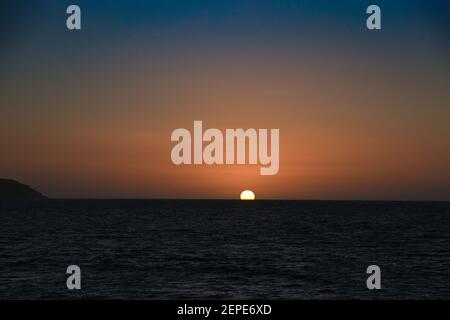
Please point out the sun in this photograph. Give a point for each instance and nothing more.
(247, 195)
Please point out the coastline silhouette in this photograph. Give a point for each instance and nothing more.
(12, 189)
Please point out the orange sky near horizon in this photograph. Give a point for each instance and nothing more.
(335, 143)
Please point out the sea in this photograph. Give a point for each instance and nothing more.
(217, 249)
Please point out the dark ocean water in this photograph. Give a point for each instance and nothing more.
(180, 249)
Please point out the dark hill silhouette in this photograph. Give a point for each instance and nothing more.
(10, 189)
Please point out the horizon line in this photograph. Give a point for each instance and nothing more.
(230, 199)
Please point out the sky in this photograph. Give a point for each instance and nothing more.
(362, 114)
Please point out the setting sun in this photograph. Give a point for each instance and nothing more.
(247, 195)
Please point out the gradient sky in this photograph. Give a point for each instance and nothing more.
(362, 114)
